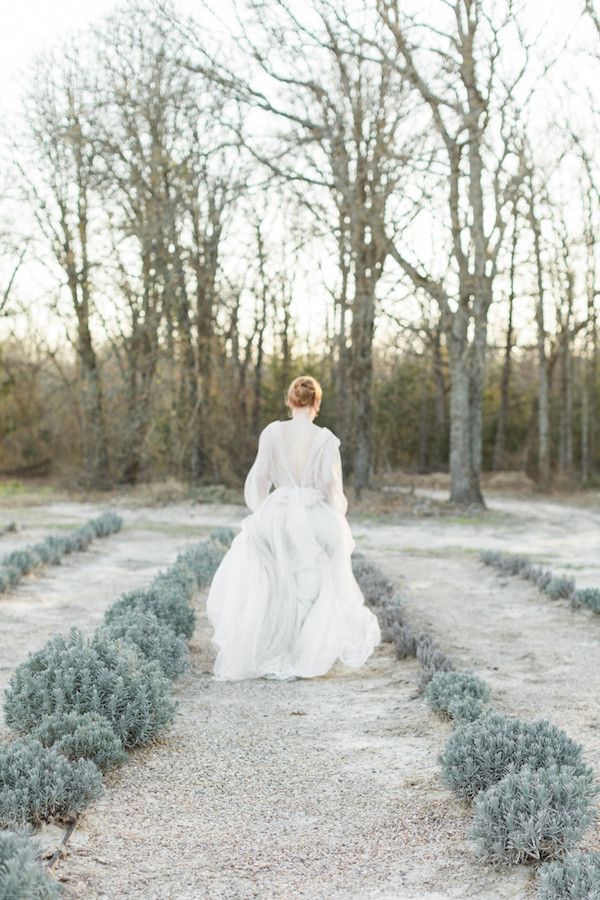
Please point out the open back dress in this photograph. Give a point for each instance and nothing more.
(284, 602)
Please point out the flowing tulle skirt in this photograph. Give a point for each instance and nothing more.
(284, 602)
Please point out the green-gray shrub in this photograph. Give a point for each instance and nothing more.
(533, 815)
(223, 535)
(390, 617)
(556, 586)
(560, 588)
(55, 549)
(508, 563)
(201, 561)
(21, 874)
(577, 877)
(43, 552)
(81, 736)
(23, 561)
(543, 579)
(589, 597)
(154, 638)
(480, 753)
(432, 658)
(38, 783)
(166, 600)
(373, 583)
(460, 695)
(107, 523)
(491, 558)
(98, 675)
(10, 576)
(406, 640)
(51, 550)
(466, 709)
(80, 539)
(379, 593)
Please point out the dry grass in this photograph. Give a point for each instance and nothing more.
(32, 492)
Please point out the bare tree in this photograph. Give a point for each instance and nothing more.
(166, 189)
(56, 165)
(589, 380)
(470, 104)
(338, 145)
(502, 420)
(543, 394)
(13, 251)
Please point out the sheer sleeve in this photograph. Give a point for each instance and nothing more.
(259, 480)
(333, 483)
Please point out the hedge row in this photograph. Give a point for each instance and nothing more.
(533, 794)
(21, 875)
(52, 548)
(557, 587)
(380, 594)
(77, 704)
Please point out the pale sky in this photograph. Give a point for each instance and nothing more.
(28, 27)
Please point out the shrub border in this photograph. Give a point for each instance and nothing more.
(218, 538)
(557, 587)
(50, 550)
(381, 595)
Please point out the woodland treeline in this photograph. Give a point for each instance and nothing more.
(399, 198)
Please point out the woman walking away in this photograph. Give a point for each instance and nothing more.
(284, 602)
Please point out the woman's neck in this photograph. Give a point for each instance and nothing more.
(302, 413)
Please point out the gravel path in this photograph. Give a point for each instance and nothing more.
(79, 590)
(327, 788)
(539, 656)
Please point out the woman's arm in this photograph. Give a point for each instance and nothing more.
(258, 481)
(333, 487)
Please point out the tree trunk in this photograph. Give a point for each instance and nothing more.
(501, 425)
(460, 433)
(543, 389)
(476, 384)
(585, 423)
(566, 383)
(439, 438)
(465, 410)
(424, 426)
(590, 357)
(94, 443)
(361, 386)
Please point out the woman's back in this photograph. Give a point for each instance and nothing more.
(284, 602)
(301, 444)
(296, 454)
(298, 438)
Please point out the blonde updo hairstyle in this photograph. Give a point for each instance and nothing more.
(304, 391)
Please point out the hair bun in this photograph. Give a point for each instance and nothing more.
(304, 391)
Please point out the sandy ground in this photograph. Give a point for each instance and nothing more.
(326, 788)
(78, 591)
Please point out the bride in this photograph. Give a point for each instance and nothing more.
(284, 602)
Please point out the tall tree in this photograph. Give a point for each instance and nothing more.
(57, 169)
(166, 188)
(543, 393)
(455, 73)
(502, 420)
(339, 146)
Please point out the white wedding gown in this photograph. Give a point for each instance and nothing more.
(284, 602)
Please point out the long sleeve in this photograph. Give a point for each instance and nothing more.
(333, 482)
(258, 481)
